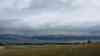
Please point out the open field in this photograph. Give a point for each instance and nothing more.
(50, 50)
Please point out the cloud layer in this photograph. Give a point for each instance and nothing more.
(28, 16)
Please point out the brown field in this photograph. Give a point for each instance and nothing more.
(51, 50)
(90, 46)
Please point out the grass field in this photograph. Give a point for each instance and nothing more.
(50, 50)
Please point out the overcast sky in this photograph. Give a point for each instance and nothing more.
(20, 16)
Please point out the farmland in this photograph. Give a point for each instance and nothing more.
(50, 50)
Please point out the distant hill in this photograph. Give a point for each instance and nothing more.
(45, 38)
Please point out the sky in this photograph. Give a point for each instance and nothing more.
(30, 16)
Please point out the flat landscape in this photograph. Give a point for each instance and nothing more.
(50, 50)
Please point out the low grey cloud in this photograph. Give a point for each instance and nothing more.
(20, 16)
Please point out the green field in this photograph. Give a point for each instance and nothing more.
(51, 50)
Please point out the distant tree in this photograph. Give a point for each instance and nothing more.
(89, 41)
(1, 44)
